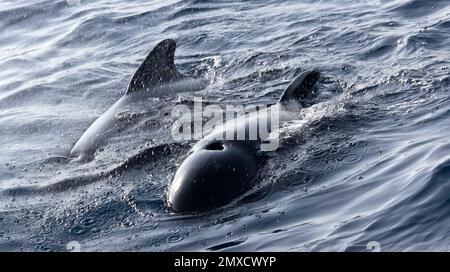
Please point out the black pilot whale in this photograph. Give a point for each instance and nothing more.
(156, 76)
(217, 170)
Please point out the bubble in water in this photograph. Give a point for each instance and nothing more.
(351, 158)
(174, 238)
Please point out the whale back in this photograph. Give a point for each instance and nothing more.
(302, 87)
(157, 68)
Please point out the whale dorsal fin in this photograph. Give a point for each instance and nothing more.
(158, 67)
(301, 87)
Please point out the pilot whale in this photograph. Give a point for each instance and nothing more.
(218, 169)
(156, 76)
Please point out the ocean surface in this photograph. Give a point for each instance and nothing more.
(365, 168)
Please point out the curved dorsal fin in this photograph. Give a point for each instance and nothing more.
(158, 67)
(301, 87)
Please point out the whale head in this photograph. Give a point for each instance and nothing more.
(212, 176)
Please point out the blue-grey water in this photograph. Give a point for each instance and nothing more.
(366, 166)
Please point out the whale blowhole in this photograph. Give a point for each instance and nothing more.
(215, 146)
